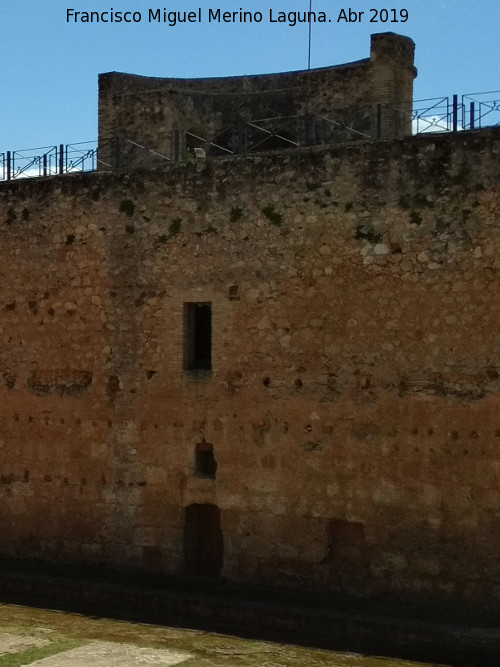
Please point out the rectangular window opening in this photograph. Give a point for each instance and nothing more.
(205, 464)
(198, 336)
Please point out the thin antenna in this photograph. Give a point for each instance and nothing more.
(309, 47)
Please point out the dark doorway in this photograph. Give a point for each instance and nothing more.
(198, 336)
(203, 541)
(347, 554)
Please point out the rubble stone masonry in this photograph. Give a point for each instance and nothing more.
(143, 111)
(352, 406)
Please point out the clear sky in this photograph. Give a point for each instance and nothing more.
(50, 66)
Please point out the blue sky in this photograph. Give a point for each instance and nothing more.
(48, 81)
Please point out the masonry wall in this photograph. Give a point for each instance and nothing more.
(145, 110)
(353, 405)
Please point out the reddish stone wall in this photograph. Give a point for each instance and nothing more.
(353, 402)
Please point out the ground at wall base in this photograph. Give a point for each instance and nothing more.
(437, 633)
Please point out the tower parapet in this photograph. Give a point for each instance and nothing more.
(369, 98)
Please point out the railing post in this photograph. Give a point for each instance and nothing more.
(176, 145)
(118, 155)
(379, 121)
(243, 135)
(309, 130)
(455, 113)
(472, 116)
(235, 137)
(240, 137)
(61, 158)
(9, 165)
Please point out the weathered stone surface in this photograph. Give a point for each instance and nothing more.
(352, 405)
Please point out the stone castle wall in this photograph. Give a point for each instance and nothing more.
(146, 110)
(353, 400)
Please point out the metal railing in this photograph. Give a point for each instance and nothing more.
(442, 114)
(48, 160)
(481, 110)
(473, 111)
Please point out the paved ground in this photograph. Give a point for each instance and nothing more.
(114, 655)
